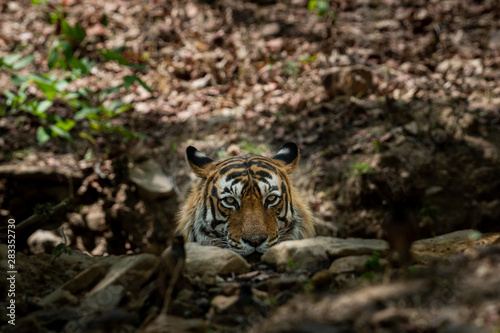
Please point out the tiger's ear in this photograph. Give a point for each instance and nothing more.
(288, 156)
(199, 163)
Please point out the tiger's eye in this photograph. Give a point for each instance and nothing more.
(271, 198)
(229, 200)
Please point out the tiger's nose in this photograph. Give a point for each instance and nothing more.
(254, 241)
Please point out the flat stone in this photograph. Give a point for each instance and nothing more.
(85, 279)
(221, 303)
(316, 253)
(441, 247)
(210, 261)
(58, 297)
(151, 179)
(352, 264)
(105, 299)
(130, 271)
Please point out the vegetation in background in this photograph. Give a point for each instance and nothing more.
(322, 8)
(93, 108)
(360, 168)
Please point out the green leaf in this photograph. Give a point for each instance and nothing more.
(23, 62)
(17, 80)
(49, 90)
(79, 32)
(67, 49)
(65, 124)
(53, 57)
(137, 66)
(48, 79)
(42, 135)
(113, 56)
(61, 85)
(9, 94)
(58, 248)
(311, 5)
(85, 112)
(118, 107)
(130, 79)
(11, 59)
(77, 66)
(84, 92)
(44, 106)
(115, 104)
(88, 64)
(104, 20)
(76, 33)
(66, 28)
(323, 7)
(111, 90)
(60, 132)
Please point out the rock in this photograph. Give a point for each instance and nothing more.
(60, 174)
(201, 82)
(166, 324)
(494, 40)
(210, 261)
(95, 217)
(222, 303)
(411, 127)
(118, 319)
(486, 180)
(323, 278)
(65, 293)
(270, 30)
(313, 254)
(25, 325)
(104, 300)
(352, 264)
(43, 241)
(58, 297)
(282, 283)
(151, 180)
(334, 309)
(85, 279)
(55, 317)
(130, 271)
(490, 210)
(433, 190)
(469, 124)
(489, 150)
(441, 247)
(275, 45)
(350, 81)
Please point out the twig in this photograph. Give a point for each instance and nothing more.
(168, 295)
(65, 242)
(38, 219)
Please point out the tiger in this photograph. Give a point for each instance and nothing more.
(245, 203)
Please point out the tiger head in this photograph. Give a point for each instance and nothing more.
(245, 203)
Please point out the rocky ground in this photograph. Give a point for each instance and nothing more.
(396, 108)
(313, 285)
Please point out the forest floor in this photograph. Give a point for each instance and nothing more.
(234, 77)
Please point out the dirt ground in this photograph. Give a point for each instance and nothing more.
(234, 77)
